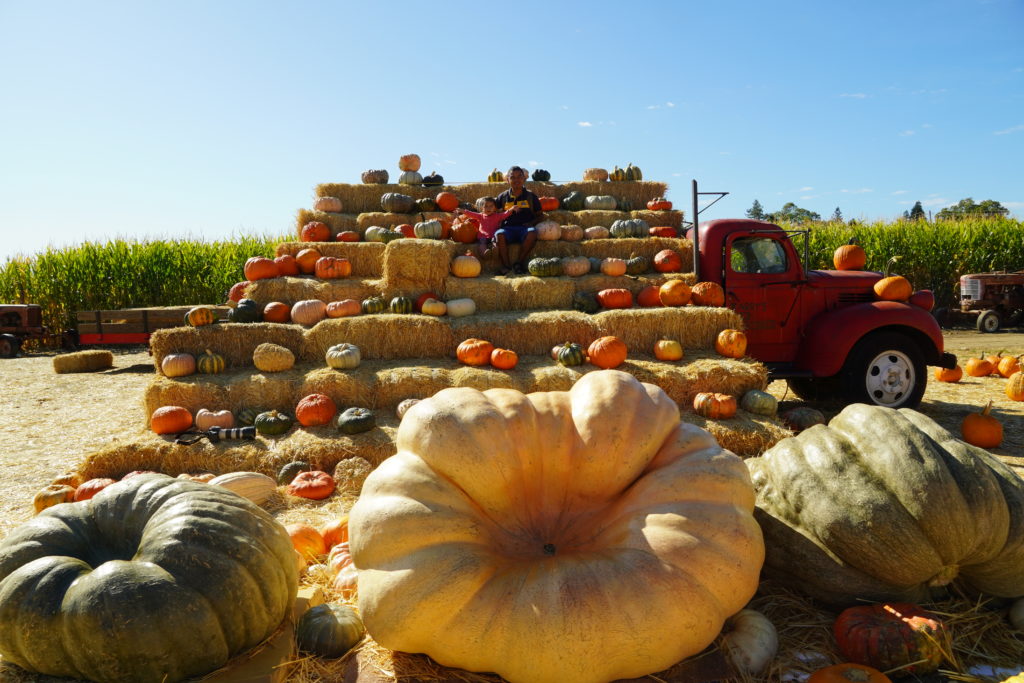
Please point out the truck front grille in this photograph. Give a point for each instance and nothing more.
(855, 297)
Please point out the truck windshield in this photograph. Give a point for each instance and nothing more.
(758, 255)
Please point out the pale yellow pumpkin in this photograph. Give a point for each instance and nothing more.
(749, 641)
(254, 486)
(582, 504)
(205, 419)
(269, 357)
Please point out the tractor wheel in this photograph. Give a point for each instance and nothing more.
(9, 346)
(989, 321)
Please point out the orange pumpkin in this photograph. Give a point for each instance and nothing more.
(422, 298)
(675, 293)
(347, 236)
(90, 488)
(994, 360)
(978, 367)
(504, 359)
(1008, 365)
(668, 349)
(286, 265)
(549, 203)
(409, 162)
(170, 420)
(345, 575)
(315, 485)
(315, 231)
(849, 256)
(848, 673)
(307, 258)
(954, 375)
(731, 343)
(981, 429)
(259, 268)
(335, 531)
(613, 267)
(668, 261)
(1015, 386)
(446, 201)
(607, 352)
(615, 298)
(331, 268)
(466, 265)
(464, 229)
(343, 308)
(714, 406)
(893, 287)
(663, 231)
(315, 410)
(649, 297)
(708, 294)
(407, 230)
(659, 204)
(306, 540)
(474, 352)
(277, 312)
(237, 291)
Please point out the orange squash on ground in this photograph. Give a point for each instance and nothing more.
(1008, 365)
(607, 352)
(953, 375)
(474, 352)
(1015, 386)
(315, 485)
(306, 540)
(978, 367)
(982, 429)
(315, 410)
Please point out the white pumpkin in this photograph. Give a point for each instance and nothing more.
(548, 231)
(596, 232)
(375, 233)
(457, 308)
(343, 356)
(251, 485)
(749, 641)
(600, 202)
(208, 418)
(327, 204)
(178, 365)
(410, 178)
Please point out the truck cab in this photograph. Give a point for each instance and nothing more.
(823, 331)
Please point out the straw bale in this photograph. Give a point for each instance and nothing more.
(390, 220)
(337, 222)
(355, 387)
(292, 289)
(413, 266)
(696, 373)
(396, 383)
(637, 192)
(746, 434)
(367, 258)
(83, 361)
(655, 218)
(588, 218)
(489, 294)
(362, 198)
(546, 293)
(234, 341)
(640, 246)
(532, 333)
(383, 336)
(486, 378)
(695, 327)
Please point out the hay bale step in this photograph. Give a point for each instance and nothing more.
(291, 289)
(367, 258)
(337, 222)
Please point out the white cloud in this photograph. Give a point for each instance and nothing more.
(862, 190)
(853, 95)
(805, 189)
(899, 192)
(534, 164)
(1011, 129)
(585, 124)
(654, 106)
(907, 133)
(937, 201)
(670, 104)
(1013, 205)
(564, 107)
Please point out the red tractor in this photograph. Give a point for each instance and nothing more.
(990, 300)
(19, 322)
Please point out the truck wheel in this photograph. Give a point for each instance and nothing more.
(814, 388)
(9, 346)
(988, 321)
(885, 369)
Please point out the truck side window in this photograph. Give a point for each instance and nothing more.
(757, 255)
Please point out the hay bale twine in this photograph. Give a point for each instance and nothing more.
(83, 361)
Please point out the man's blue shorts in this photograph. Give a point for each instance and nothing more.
(514, 234)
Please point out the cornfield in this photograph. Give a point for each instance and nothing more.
(126, 274)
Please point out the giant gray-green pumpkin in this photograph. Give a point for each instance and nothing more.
(153, 579)
(629, 227)
(395, 202)
(600, 202)
(884, 505)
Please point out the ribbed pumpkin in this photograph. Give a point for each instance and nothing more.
(178, 365)
(246, 416)
(978, 367)
(707, 294)
(607, 352)
(1008, 365)
(849, 256)
(464, 229)
(154, 579)
(731, 343)
(546, 267)
(1015, 386)
(307, 540)
(260, 268)
(607, 469)
(570, 354)
(668, 261)
(374, 177)
(88, 489)
(427, 230)
(474, 352)
(314, 485)
(314, 231)
(200, 316)
(328, 204)
(236, 292)
(331, 268)
(356, 421)
(268, 357)
(714, 406)
(571, 233)
(891, 636)
(410, 178)
(309, 311)
(277, 312)
(801, 418)
(210, 363)
(495, 176)
(466, 265)
(447, 201)
(674, 293)
(946, 375)
(343, 356)
(575, 266)
(374, 304)
(649, 297)
(615, 298)
(548, 231)
(272, 423)
(759, 402)
(400, 304)
(541, 175)
(253, 486)
(939, 511)
(395, 202)
(329, 630)
(343, 308)
(315, 410)
(205, 419)
(548, 203)
(893, 287)
(600, 202)
(613, 267)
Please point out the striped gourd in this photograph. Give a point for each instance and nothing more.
(210, 363)
(545, 267)
(400, 304)
(251, 485)
(374, 304)
(571, 354)
(247, 416)
(201, 315)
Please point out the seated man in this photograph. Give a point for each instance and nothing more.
(518, 228)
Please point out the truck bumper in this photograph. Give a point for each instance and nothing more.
(947, 361)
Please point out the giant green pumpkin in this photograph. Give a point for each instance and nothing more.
(153, 579)
(886, 505)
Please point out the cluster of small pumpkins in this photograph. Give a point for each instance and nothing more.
(409, 165)
(851, 256)
(480, 352)
(983, 429)
(671, 293)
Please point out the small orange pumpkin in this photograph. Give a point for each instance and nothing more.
(315, 410)
(649, 297)
(331, 268)
(893, 287)
(335, 531)
(549, 203)
(170, 420)
(446, 201)
(731, 343)
(982, 429)
(953, 375)
(978, 367)
(849, 256)
(54, 494)
(708, 294)
(504, 359)
(345, 575)
(668, 261)
(675, 293)
(607, 352)
(343, 308)
(613, 267)
(659, 204)
(277, 312)
(668, 349)
(1008, 365)
(662, 231)
(848, 673)
(315, 231)
(237, 291)
(287, 265)
(615, 298)
(474, 352)
(307, 258)
(314, 485)
(90, 488)
(347, 236)
(1015, 386)
(306, 540)
(714, 406)
(259, 268)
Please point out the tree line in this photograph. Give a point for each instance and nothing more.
(965, 208)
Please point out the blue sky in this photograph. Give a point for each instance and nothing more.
(213, 119)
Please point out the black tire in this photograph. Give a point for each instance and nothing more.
(814, 388)
(9, 346)
(989, 321)
(941, 316)
(885, 369)
(1013, 320)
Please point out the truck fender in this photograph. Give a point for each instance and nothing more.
(829, 337)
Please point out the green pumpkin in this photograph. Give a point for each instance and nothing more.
(375, 304)
(247, 416)
(633, 173)
(433, 180)
(426, 205)
(400, 304)
(624, 204)
(600, 202)
(395, 202)
(637, 265)
(391, 236)
(617, 174)
(210, 363)
(571, 354)
(629, 227)
(153, 579)
(573, 201)
(799, 419)
(541, 176)
(290, 471)
(428, 230)
(246, 311)
(375, 233)
(272, 423)
(356, 421)
(595, 263)
(495, 176)
(545, 267)
(585, 302)
(759, 402)
(329, 630)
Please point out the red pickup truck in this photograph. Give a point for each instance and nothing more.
(823, 331)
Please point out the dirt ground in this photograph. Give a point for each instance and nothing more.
(49, 422)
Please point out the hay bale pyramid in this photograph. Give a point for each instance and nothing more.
(413, 355)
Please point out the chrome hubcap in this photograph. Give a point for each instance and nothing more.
(890, 378)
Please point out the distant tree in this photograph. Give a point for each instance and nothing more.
(906, 215)
(917, 213)
(793, 214)
(967, 207)
(837, 216)
(755, 211)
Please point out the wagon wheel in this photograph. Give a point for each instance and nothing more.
(9, 346)
(988, 321)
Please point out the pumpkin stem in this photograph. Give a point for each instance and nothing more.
(987, 409)
(889, 264)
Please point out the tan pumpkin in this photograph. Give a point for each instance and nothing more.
(268, 357)
(595, 175)
(613, 267)
(548, 231)
(1015, 386)
(178, 365)
(434, 307)
(409, 162)
(328, 204)
(612, 496)
(209, 418)
(343, 308)
(596, 232)
(466, 265)
(571, 233)
(253, 486)
(575, 266)
(309, 312)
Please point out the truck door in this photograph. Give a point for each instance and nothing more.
(763, 279)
